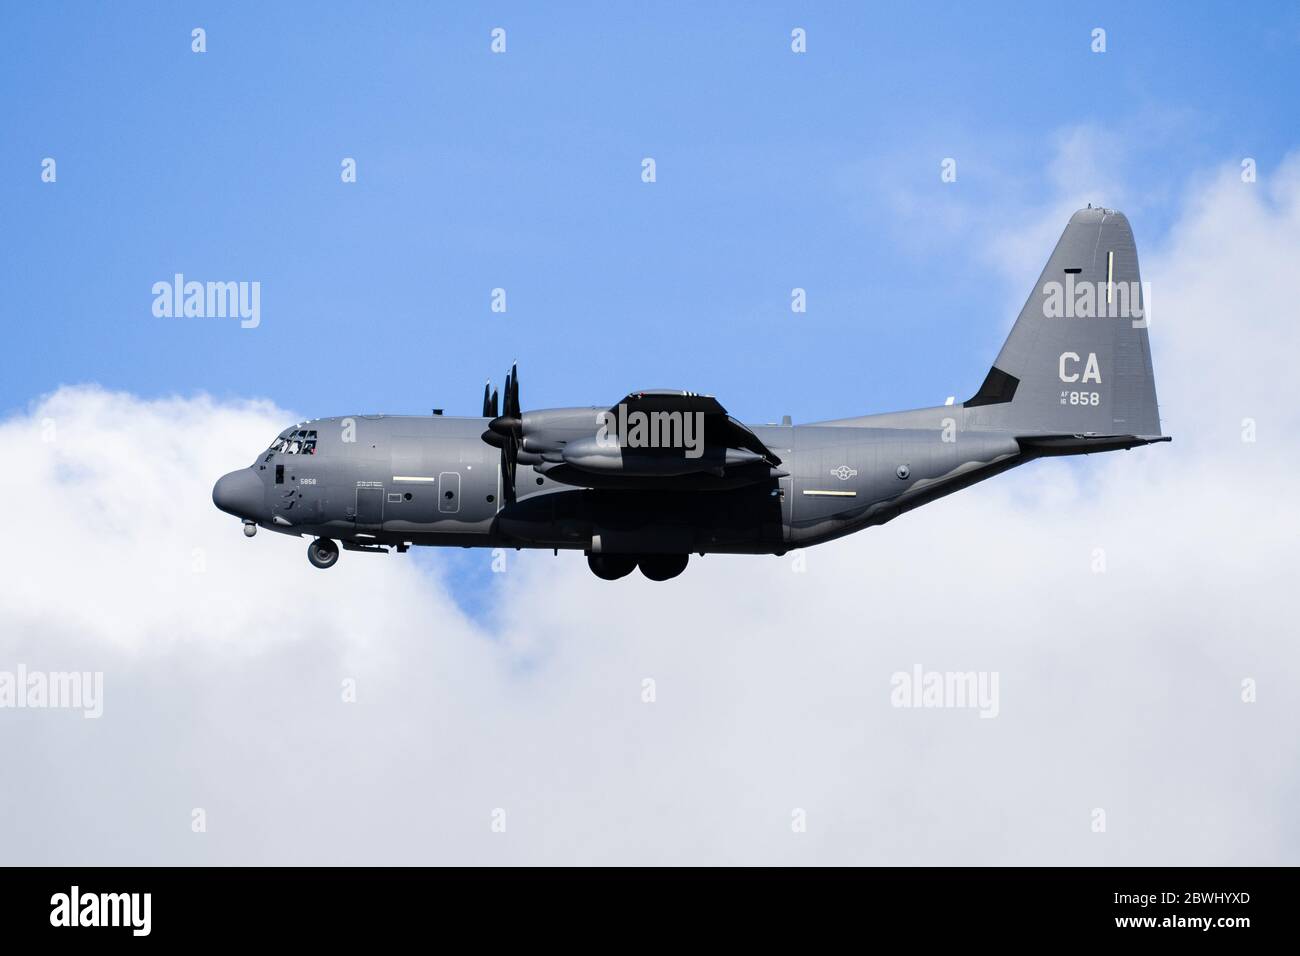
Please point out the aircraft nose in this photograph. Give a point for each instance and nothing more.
(239, 493)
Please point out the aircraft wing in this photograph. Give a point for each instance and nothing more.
(663, 435)
(719, 429)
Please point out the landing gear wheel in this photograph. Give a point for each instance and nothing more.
(661, 567)
(611, 567)
(323, 553)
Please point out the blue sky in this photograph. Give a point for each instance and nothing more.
(522, 171)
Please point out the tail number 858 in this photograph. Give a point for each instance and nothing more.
(1080, 398)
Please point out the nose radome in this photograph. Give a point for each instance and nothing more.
(239, 493)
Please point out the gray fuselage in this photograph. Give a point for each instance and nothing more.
(394, 480)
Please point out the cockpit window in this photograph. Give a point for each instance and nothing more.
(300, 441)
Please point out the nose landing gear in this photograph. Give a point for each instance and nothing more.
(323, 553)
(250, 529)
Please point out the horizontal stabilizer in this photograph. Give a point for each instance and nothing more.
(1084, 444)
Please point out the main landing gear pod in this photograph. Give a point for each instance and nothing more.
(656, 567)
(611, 567)
(323, 553)
(661, 567)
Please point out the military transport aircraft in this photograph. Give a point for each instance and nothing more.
(663, 474)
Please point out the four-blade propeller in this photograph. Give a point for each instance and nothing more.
(506, 431)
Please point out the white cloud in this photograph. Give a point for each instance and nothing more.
(1117, 690)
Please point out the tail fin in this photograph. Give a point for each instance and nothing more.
(1077, 361)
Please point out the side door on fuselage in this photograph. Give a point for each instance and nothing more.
(368, 507)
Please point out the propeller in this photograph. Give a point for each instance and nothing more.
(489, 401)
(512, 393)
(506, 431)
